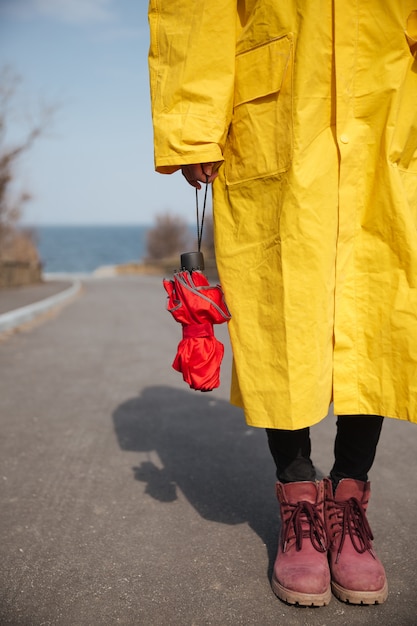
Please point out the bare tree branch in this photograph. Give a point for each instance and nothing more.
(11, 205)
(170, 236)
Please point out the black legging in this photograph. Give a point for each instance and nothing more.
(354, 449)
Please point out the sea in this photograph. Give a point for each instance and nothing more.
(83, 249)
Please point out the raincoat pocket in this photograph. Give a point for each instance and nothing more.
(403, 152)
(260, 141)
(411, 32)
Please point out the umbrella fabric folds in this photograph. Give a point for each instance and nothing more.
(197, 305)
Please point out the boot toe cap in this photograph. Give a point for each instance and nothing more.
(363, 574)
(309, 578)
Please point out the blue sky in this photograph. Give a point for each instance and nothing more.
(95, 163)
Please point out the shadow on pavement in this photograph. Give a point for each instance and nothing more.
(204, 448)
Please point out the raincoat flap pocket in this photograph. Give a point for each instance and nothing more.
(411, 31)
(260, 71)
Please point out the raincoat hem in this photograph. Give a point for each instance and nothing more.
(267, 422)
(382, 413)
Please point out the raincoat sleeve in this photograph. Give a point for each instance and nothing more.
(191, 64)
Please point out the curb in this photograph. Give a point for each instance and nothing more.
(25, 314)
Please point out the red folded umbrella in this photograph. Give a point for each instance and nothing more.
(197, 305)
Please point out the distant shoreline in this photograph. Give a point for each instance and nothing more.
(82, 249)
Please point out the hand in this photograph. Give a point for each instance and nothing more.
(199, 172)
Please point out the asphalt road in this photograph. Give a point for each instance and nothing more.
(127, 498)
(12, 298)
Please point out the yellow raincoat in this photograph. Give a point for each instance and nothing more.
(312, 107)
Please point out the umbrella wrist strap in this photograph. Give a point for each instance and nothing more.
(200, 224)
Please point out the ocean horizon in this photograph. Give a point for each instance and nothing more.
(84, 248)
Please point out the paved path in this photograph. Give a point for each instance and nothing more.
(127, 498)
(15, 297)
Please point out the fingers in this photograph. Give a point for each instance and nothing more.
(199, 172)
(192, 174)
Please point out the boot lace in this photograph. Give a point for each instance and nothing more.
(352, 521)
(304, 521)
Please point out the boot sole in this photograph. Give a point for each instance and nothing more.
(301, 599)
(360, 597)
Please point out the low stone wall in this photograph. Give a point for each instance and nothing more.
(17, 274)
(162, 267)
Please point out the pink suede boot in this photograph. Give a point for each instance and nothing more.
(358, 576)
(301, 571)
